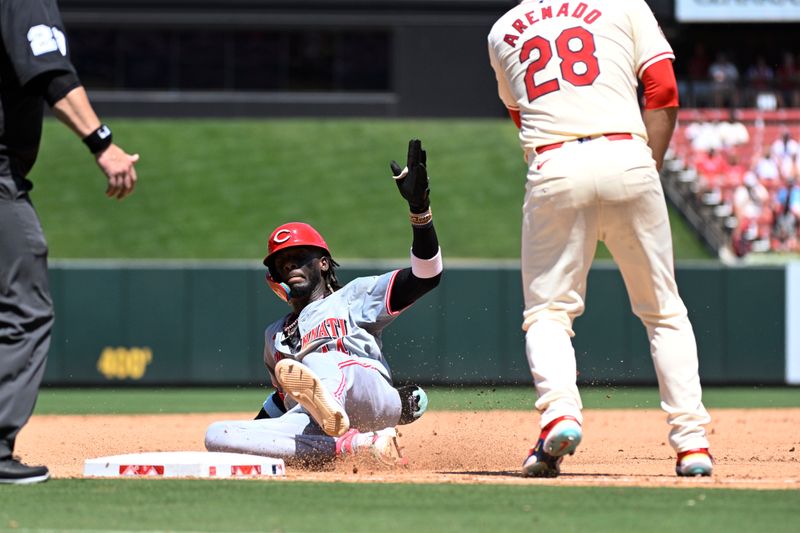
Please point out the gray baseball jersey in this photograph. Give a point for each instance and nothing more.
(341, 342)
(349, 321)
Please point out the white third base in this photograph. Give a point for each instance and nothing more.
(184, 464)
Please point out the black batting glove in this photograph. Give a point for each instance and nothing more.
(413, 180)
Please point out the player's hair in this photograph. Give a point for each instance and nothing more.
(330, 276)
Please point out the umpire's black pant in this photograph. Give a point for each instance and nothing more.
(26, 310)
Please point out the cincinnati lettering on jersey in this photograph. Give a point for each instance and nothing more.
(330, 328)
(579, 11)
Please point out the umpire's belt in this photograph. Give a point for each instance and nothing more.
(609, 136)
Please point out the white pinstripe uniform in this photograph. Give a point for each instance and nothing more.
(570, 68)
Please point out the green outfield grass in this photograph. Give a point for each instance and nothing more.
(215, 188)
(195, 400)
(278, 506)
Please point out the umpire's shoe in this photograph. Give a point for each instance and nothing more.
(414, 402)
(299, 382)
(13, 471)
(558, 438)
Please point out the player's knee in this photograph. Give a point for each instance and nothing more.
(217, 437)
(321, 362)
(547, 319)
(313, 359)
(675, 317)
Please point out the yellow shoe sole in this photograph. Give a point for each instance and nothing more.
(299, 382)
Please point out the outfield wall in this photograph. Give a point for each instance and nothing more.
(202, 324)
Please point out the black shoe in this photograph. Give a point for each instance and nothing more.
(414, 402)
(13, 471)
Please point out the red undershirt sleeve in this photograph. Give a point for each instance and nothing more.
(660, 87)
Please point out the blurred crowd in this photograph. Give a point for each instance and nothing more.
(754, 183)
(718, 82)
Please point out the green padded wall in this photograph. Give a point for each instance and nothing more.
(203, 324)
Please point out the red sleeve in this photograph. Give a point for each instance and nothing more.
(660, 87)
(514, 114)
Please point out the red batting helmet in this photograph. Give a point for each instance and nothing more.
(285, 236)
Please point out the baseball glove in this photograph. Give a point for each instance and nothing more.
(412, 181)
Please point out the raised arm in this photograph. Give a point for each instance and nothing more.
(426, 257)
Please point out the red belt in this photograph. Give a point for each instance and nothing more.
(609, 136)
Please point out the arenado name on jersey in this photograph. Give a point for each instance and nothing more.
(578, 10)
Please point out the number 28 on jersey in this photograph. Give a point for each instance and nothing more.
(574, 48)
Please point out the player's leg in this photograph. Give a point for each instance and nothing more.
(374, 407)
(413, 401)
(636, 230)
(348, 397)
(558, 244)
(297, 438)
(317, 383)
(291, 436)
(26, 316)
(371, 401)
(334, 387)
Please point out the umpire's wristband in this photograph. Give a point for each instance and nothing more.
(99, 139)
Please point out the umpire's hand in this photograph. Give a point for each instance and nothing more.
(118, 168)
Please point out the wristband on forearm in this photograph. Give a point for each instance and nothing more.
(99, 139)
(426, 268)
(421, 220)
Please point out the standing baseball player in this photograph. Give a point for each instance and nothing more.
(35, 68)
(567, 72)
(334, 394)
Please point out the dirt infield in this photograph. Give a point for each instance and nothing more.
(753, 448)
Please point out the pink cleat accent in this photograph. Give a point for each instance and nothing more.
(379, 445)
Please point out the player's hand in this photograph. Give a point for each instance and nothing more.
(118, 168)
(413, 180)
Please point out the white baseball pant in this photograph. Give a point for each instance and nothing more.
(370, 400)
(576, 195)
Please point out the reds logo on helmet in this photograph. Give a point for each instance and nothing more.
(285, 236)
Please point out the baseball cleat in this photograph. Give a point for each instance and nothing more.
(558, 438)
(299, 382)
(694, 463)
(378, 445)
(414, 403)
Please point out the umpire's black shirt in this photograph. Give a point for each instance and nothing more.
(33, 42)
